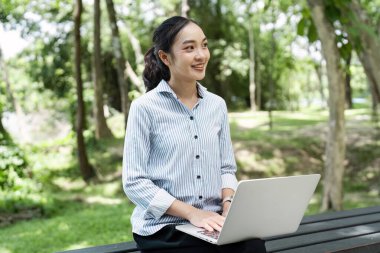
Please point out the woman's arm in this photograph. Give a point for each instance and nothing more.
(227, 157)
(137, 183)
(200, 218)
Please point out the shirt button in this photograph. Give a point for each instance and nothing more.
(197, 156)
(200, 197)
(198, 177)
(196, 137)
(191, 117)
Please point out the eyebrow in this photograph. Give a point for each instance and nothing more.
(192, 41)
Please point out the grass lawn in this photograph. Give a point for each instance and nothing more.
(76, 225)
(96, 214)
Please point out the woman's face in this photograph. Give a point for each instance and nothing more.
(189, 55)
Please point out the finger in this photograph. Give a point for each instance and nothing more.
(215, 225)
(208, 227)
(219, 220)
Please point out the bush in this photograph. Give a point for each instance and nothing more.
(12, 163)
(18, 190)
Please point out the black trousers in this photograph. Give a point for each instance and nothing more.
(170, 240)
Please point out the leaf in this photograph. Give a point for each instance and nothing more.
(301, 26)
(312, 33)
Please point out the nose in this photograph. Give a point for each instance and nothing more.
(201, 54)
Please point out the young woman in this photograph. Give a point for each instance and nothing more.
(178, 161)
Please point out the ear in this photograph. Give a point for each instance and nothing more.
(164, 57)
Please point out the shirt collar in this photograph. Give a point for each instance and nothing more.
(164, 87)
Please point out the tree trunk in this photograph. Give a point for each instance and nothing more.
(86, 169)
(11, 97)
(136, 48)
(335, 147)
(318, 70)
(370, 43)
(101, 128)
(129, 72)
(134, 78)
(2, 129)
(252, 86)
(348, 84)
(369, 49)
(120, 60)
(257, 81)
(375, 93)
(185, 8)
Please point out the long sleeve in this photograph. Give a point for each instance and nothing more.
(137, 183)
(228, 164)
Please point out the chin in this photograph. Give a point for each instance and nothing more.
(200, 77)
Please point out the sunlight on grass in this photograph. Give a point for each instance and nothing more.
(102, 200)
(116, 123)
(68, 184)
(78, 246)
(5, 250)
(78, 226)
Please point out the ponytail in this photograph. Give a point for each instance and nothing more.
(154, 70)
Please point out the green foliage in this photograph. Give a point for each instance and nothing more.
(18, 190)
(12, 163)
(306, 27)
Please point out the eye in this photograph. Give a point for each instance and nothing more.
(205, 44)
(189, 48)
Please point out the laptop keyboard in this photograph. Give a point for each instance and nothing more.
(213, 234)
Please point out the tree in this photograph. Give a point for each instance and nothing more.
(184, 8)
(335, 146)
(101, 128)
(348, 82)
(364, 36)
(11, 97)
(86, 168)
(120, 60)
(252, 85)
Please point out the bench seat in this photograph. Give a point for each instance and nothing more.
(350, 231)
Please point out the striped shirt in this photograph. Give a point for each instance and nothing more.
(172, 152)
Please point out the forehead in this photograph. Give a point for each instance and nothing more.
(191, 32)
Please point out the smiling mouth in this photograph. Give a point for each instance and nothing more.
(199, 66)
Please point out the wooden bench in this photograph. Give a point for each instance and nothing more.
(351, 231)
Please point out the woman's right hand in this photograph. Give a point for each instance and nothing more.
(207, 220)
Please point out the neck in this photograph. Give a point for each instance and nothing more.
(183, 89)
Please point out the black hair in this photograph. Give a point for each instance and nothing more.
(163, 38)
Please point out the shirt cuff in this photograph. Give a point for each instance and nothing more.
(229, 181)
(159, 205)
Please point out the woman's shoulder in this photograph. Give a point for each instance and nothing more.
(214, 98)
(144, 99)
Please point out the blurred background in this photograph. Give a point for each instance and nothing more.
(300, 79)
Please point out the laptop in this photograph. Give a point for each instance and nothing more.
(262, 208)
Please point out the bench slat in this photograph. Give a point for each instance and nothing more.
(326, 226)
(324, 237)
(362, 244)
(341, 214)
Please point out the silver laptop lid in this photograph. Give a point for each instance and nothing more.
(268, 207)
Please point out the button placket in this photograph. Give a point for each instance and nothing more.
(197, 158)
